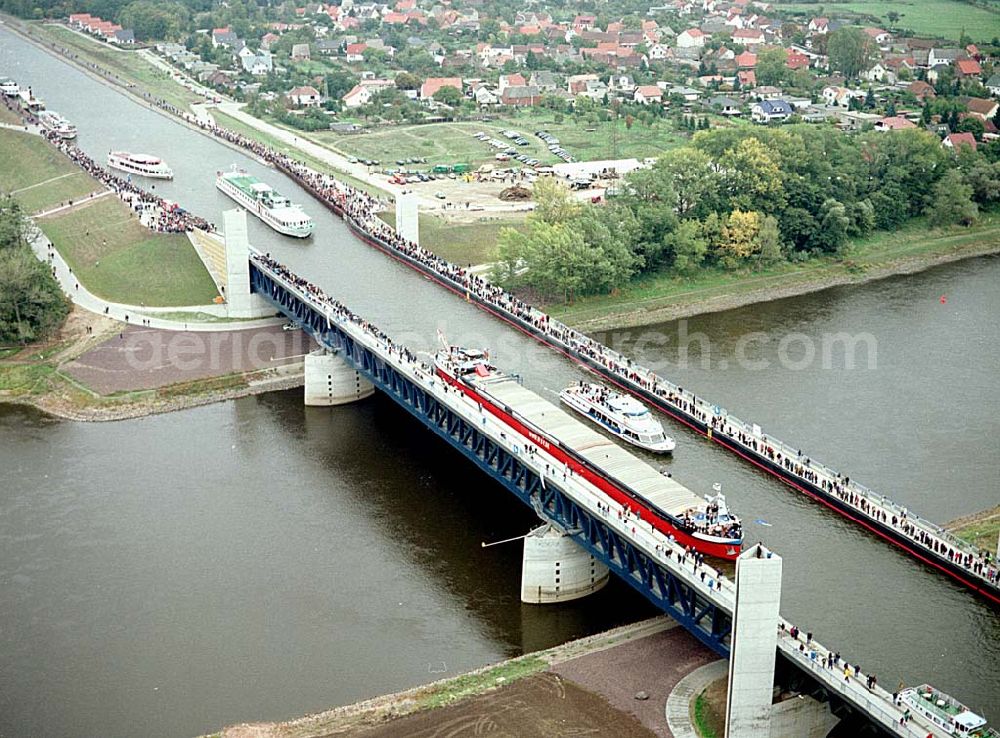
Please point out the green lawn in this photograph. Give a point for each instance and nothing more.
(127, 64)
(461, 243)
(37, 173)
(453, 143)
(981, 531)
(947, 18)
(120, 260)
(661, 291)
(9, 116)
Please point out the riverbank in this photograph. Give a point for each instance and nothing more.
(910, 250)
(587, 686)
(94, 371)
(981, 529)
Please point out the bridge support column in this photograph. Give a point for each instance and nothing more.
(330, 381)
(408, 217)
(555, 569)
(240, 301)
(754, 644)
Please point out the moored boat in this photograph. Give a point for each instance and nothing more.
(52, 121)
(266, 203)
(620, 414)
(9, 87)
(143, 165)
(28, 99)
(942, 712)
(624, 479)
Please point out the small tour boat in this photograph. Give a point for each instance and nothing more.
(934, 708)
(9, 87)
(143, 165)
(620, 414)
(52, 121)
(266, 203)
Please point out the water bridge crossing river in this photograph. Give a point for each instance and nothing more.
(695, 594)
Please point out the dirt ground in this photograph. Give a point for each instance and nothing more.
(146, 358)
(541, 706)
(653, 665)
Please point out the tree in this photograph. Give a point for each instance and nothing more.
(739, 237)
(951, 202)
(154, 20)
(849, 50)
(408, 81)
(31, 303)
(771, 66)
(752, 176)
(688, 245)
(554, 203)
(339, 82)
(972, 125)
(693, 181)
(984, 179)
(449, 96)
(833, 226)
(768, 244)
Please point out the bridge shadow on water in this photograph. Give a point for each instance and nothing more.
(437, 509)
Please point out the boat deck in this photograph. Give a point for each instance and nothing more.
(663, 492)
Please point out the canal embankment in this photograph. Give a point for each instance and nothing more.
(981, 529)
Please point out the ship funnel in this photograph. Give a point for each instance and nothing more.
(717, 487)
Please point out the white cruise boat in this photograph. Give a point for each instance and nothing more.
(143, 165)
(29, 101)
(266, 203)
(9, 87)
(937, 710)
(52, 121)
(622, 415)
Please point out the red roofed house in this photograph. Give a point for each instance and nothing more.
(432, 84)
(967, 68)
(796, 60)
(510, 80)
(819, 26)
(355, 52)
(748, 37)
(690, 38)
(921, 90)
(747, 78)
(982, 108)
(746, 60)
(954, 140)
(893, 123)
(304, 97)
(648, 95)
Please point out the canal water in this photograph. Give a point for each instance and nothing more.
(256, 559)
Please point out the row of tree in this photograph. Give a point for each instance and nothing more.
(31, 303)
(740, 198)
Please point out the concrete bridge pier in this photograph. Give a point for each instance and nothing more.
(330, 381)
(408, 217)
(555, 569)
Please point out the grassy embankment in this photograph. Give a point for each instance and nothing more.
(663, 297)
(981, 529)
(463, 243)
(129, 65)
(453, 143)
(113, 255)
(935, 18)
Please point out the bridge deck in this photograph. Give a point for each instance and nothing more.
(709, 584)
(664, 492)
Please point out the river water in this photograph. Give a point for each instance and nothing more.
(257, 559)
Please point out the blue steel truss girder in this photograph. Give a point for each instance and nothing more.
(678, 598)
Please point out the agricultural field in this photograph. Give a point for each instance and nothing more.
(118, 259)
(945, 18)
(453, 143)
(37, 174)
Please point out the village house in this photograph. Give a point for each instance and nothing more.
(223, 37)
(432, 85)
(956, 140)
(893, 123)
(304, 97)
(648, 95)
(690, 38)
(770, 111)
(300, 52)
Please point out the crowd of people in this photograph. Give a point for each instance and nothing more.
(360, 211)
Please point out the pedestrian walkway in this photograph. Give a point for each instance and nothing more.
(73, 204)
(136, 314)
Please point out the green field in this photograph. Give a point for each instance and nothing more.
(126, 64)
(118, 259)
(461, 243)
(667, 291)
(453, 143)
(38, 174)
(945, 18)
(9, 116)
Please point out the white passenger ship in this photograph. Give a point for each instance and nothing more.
(52, 121)
(622, 415)
(266, 203)
(143, 165)
(944, 713)
(9, 87)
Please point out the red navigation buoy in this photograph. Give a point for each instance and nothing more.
(943, 299)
